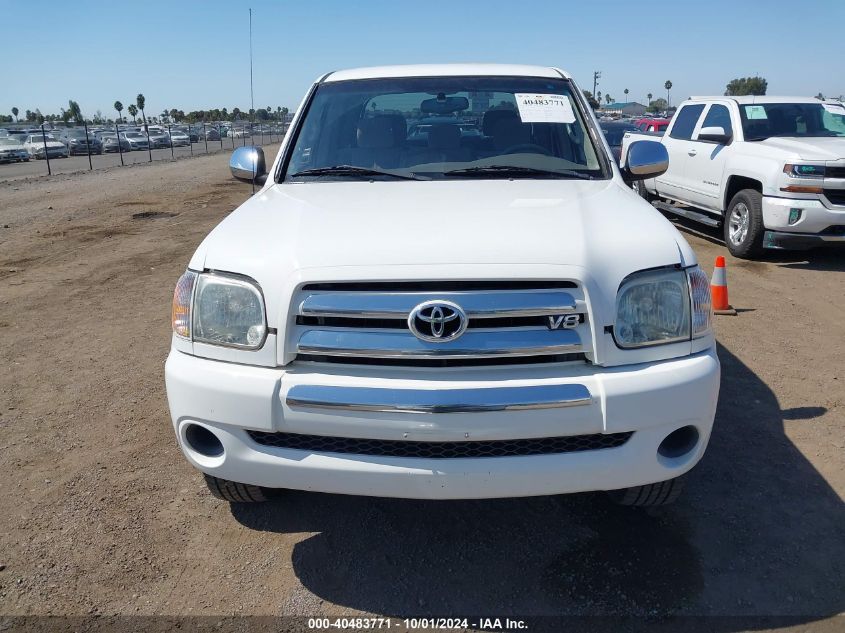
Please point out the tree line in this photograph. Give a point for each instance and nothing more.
(741, 86)
(73, 113)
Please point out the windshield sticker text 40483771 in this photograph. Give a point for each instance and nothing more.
(544, 108)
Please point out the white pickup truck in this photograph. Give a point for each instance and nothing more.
(459, 313)
(769, 170)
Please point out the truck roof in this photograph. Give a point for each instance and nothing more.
(446, 70)
(758, 99)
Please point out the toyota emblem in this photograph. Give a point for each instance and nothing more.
(437, 321)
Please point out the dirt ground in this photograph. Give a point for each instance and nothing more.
(100, 513)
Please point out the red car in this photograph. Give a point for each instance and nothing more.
(652, 125)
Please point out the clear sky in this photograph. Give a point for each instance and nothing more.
(195, 54)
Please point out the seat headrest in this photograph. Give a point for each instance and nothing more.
(376, 133)
(492, 117)
(510, 132)
(444, 136)
(399, 127)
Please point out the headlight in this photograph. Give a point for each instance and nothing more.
(662, 306)
(219, 309)
(804, 171)
(228, 311)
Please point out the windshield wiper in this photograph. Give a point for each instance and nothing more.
(352, 170)
(516, 170)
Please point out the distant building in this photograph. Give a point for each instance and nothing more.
(631, 108)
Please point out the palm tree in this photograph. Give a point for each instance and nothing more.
(119, 107)
(15, 112)
(649, 95)
(132, 110)
(668, 86)
(626, 95)
(141, 101)
(74, 111)
(608, 98)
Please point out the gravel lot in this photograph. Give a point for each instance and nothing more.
(102, 515)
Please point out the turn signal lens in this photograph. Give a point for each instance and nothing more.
(182, 296)
(702, 309)
(800, 189)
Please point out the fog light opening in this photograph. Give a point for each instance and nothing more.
(203, 441)
(679, 442)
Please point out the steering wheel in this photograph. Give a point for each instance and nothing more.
(527, 147)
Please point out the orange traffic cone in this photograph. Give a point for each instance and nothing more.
(719, 289)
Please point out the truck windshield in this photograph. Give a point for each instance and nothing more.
(764, 120)
(443, 128)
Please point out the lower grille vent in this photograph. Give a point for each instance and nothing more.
(441, 450)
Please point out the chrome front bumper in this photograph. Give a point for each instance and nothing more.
(432, 405)
(437, 401)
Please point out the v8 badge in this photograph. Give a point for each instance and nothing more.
(563, 321)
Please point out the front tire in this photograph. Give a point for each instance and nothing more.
(657, 494)
(743, 224)
(638, 188)
(233, 491)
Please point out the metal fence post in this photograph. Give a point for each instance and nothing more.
(119, 144)
(205, 138)
(171, 141)
(88, 145)
(190, 142)
(149, 145)
(46, 153)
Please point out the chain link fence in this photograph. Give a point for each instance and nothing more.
(53, 150)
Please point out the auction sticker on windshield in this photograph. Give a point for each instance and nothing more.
(755, 112)
(535, 108)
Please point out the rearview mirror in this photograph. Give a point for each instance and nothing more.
(645, 159)
(444, 105)
(247, 163)
(715, 134)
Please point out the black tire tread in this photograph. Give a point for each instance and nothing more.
(233, 491)
(660, 493)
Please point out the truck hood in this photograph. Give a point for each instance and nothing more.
(819, 148)
(594, 231)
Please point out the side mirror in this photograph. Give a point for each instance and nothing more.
(247, 163)
(645, 159)
(715, 134)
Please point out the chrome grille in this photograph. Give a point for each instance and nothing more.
(369, 323)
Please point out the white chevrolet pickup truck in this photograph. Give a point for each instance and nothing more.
(479, 309)
(769, 170)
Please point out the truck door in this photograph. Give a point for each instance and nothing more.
(678, 144)
(706, 160)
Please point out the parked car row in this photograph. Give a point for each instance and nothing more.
(25, 143)
(12, 150)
